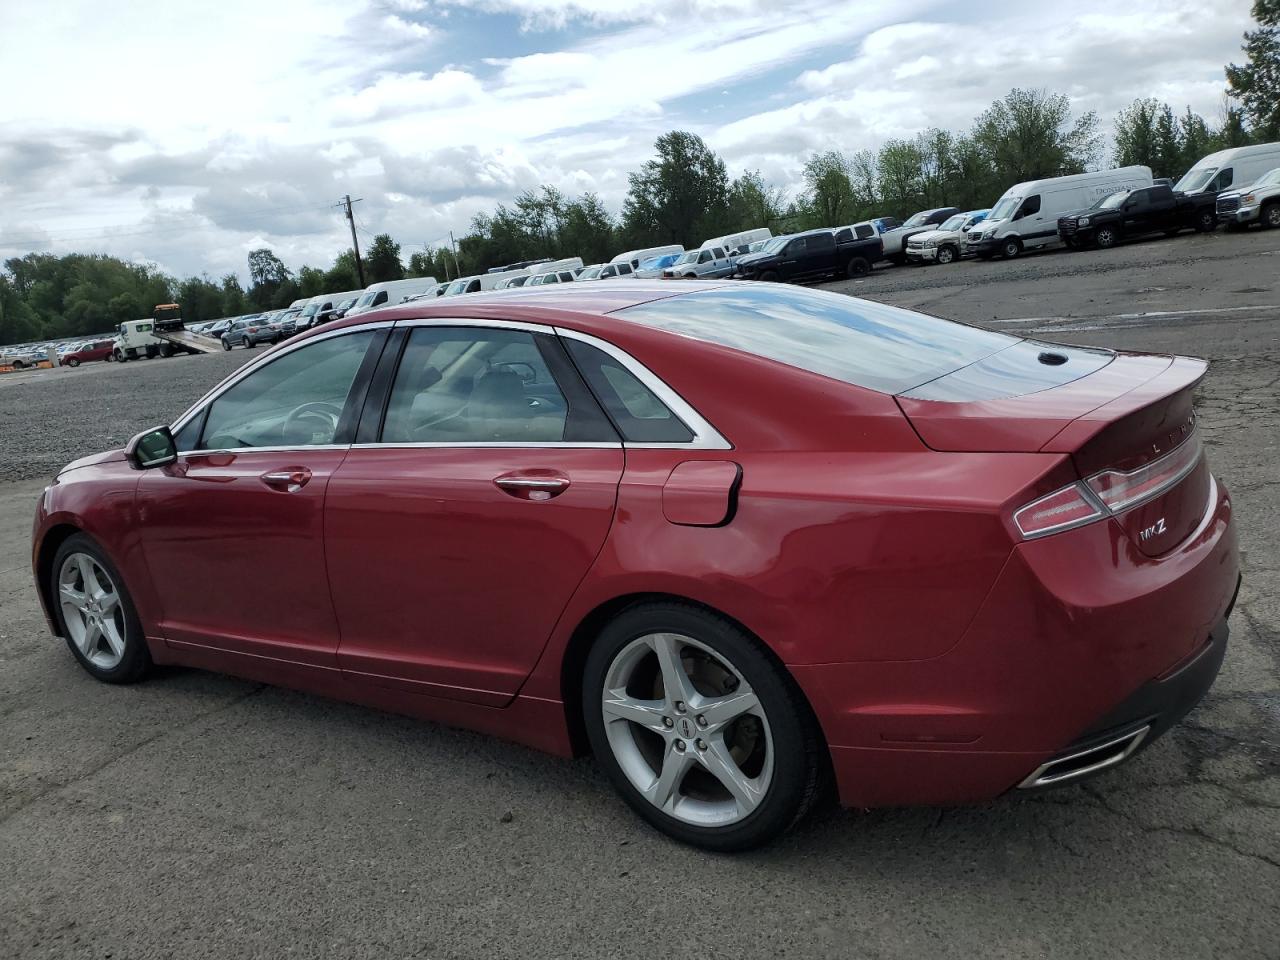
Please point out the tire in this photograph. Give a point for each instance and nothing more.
(858, 267)
(226, 344)
(110, 358)
(248, 343)
(1106, 237)
(772, 752)
(946, 254)
(119, 653)
(1010, 248)
(1270, 218)
(769, 276)
(166, 351)
(151, 353)
(1207, 221)
(72, 362)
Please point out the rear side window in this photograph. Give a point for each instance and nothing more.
(822, 242)
(634, 409)
(865, 231)
(624, 269)
(857, 341)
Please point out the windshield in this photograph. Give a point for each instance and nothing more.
(954, 223)
(857, 341)
(1004, 208)
(1111, 202)
(918, 219)
(367, 299)
(457, 287)
(689, 256)
(1196, 179)
(1269, 179)
(774, 245)
(310, 309)
(590, 273)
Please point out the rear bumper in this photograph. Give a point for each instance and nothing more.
(1081, 638)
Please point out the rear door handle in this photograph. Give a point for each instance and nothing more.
(525, 486)
(288, 480)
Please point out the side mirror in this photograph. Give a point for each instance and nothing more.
(152, 448)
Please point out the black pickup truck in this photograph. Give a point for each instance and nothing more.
(1133, 213)
(812, 255)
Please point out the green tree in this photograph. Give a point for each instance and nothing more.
(267, 274)
(1030, 134)
(1257, 82)
(200, 299)
(828, 188)
(1197, 139)
(382, 262)
(310, 282)
(679, 197)
(342, 275)
(1135, 136)
(431, 262)
(753, 203)
(587, 230)
(233, 299)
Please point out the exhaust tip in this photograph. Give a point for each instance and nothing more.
(1086, 761)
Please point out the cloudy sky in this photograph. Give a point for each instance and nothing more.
(186, 132)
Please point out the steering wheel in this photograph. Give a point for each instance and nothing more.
(309, 422)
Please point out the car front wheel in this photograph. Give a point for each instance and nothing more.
(1106, 237)
(699, 729)
(96, 613)
(226, 344)
(946, 255)
(1271, 216)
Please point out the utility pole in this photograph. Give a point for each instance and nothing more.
(453, 243)
(355, 244)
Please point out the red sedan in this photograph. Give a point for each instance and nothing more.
(743, 542)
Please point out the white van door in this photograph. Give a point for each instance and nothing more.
(1034, 224)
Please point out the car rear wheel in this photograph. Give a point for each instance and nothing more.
(702, 733)
(1207, 222)
(946, 254)
(72, 362)
(1271, 216)
(858, 267)
(1106, 237)
(1010, 248)
(96, 613)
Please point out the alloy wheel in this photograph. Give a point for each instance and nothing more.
(945, 255)
(1271, 216)
(687, 730)
(92, 611)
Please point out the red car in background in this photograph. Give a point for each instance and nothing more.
(740, 541)
(94, 350)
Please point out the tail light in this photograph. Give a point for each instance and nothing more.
(1106, 493)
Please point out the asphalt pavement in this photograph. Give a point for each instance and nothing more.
(195, 815)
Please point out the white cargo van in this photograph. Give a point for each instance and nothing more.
(481, 281)
(319, 309)
(738, 243)
(633, 257)
(1237, 167)
(390, 292)
(1026, 217)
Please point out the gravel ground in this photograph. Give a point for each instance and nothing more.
(199, 816)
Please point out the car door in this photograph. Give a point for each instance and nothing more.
(480, 490)
(233, 531)
(1135, 213)
(1035, 227)
(790, 259)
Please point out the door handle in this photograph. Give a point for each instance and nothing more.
(288, 480)
(531, 486)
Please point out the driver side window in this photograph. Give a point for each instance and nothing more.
(294, 401)
(1030, 206)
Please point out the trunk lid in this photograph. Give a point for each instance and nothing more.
(1125, 420)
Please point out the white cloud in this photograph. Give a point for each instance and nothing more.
(185, 137)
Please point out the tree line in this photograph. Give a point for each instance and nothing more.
(684, 194)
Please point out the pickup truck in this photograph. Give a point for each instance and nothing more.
(895, 240)
(1260, 202)
(813, 255)
(704, 264)
(1133, 213)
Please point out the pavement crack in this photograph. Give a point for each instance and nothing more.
(145, 742)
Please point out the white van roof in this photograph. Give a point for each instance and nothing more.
(1236, 154)
(644, 253)
(1082, 179)
(397, 284)
(553, 266)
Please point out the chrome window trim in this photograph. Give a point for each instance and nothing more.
(269, 357)
(495, 444)
(705, 436)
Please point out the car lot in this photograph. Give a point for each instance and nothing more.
(201, 816)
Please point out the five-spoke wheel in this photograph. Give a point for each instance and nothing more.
(96, 613)
(700, 730)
